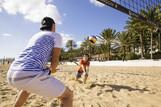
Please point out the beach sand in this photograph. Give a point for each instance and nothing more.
(106, 87)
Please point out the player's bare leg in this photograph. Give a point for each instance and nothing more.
(67, 98)
(85, 78)
(21, 98)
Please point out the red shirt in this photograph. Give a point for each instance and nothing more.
(84, 63)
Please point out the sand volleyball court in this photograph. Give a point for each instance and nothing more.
(106, 87)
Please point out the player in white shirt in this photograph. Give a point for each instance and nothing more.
(29, 72)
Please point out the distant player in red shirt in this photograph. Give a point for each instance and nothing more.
(84, 68)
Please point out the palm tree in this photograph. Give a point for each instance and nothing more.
(152, 14)
(107, 36)
(141, 27)
(87, 47)
(158, 39)
(70, 45)
(124, 42)
(134, 25)
(84, 47)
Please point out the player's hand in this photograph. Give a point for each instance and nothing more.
(53, 71)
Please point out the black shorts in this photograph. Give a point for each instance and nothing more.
(79, 74)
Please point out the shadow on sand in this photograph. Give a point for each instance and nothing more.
(117, 87)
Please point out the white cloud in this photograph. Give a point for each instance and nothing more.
(66, 37)
(6, 35)
(1, 1)
(33, 10)
(96, 3)
(49, 1)
(79, 43)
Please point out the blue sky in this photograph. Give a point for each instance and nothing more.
(76, 19)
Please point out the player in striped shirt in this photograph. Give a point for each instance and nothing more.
(29, 72)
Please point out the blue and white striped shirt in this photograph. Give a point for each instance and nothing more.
(38, 52)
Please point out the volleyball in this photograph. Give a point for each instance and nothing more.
(92, 39)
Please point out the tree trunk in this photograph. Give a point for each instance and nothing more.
(145, 48)
(109, 50)
(134, 48)
(124, 54)
(142, 48)
(159, 47)
(151, 46)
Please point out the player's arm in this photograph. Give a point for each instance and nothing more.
(55, 59)
(87, 68)
(56, 52)
(83, 68)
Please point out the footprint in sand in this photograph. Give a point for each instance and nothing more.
(4, 98)
(98, 105)
(99, 92)
(128, 105)
(114, 94)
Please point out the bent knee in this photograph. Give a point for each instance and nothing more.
(67, 93)
(86, 75)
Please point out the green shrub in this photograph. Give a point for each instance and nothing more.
(131, 56)
(157, 55)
